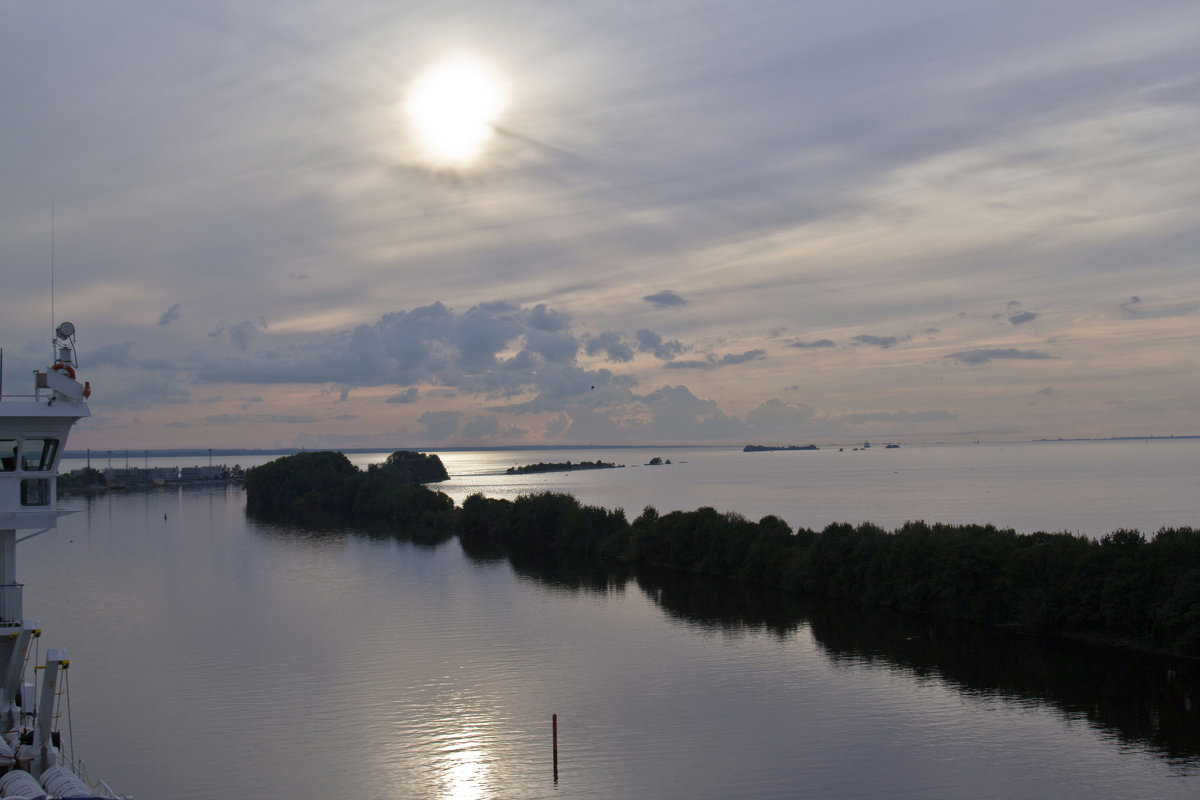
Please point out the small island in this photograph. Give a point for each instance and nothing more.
(767, 448)
(565, 466)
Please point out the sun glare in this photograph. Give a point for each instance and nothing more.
(452, 108)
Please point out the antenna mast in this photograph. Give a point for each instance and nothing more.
(53, 345)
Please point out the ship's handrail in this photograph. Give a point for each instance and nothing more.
(80, 769)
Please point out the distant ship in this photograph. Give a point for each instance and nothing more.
(33, 437)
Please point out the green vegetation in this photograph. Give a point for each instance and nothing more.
(562, 466)
(83, 480)
(327, 486)
(1122, 589)
(405, 466)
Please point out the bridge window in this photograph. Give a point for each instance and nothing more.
(37, 455)
(35, 492)
(8, 455)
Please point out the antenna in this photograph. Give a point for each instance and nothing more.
(54, 345)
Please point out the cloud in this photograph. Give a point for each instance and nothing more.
(665, 299)
(554, 346)
(814, 345)
(741, 358)
(409, 395)
(118, 354)
(482, 427)
(440, 425)
(1023, 317)
(671, 413)
(650, 342)
(259, 419)
(983, 356)
(906, 417)
(775, 417)
(143, 389)
(714, 363)
(171, 314)
(879, 341)
(546, 319)
(611, 344)
(1136, 308)
(496, 350)
(243, 334)
(428, 344)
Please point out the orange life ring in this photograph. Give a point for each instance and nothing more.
(87, 389)
(67, 368)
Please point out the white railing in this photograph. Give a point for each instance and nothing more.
(11, 612)
(101, 788)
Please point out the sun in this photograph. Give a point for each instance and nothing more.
(452, 108)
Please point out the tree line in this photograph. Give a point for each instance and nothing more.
(1124, 588)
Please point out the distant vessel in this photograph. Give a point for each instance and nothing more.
(33, 436)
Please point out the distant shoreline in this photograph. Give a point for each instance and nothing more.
(197, 452)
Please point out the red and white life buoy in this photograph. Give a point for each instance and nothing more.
(67, 368)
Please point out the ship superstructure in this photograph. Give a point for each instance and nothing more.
(33, 436)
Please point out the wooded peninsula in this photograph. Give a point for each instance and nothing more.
(1122, 589)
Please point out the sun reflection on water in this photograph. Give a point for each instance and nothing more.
(465, 775)
(463, 760)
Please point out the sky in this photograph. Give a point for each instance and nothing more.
(280, 224)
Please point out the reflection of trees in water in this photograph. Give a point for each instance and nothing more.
(482, 550)
(320, 530)
(566, 572)
(1144, 700)
(1140, 699)
(710, 603)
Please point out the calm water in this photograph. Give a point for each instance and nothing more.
(1092, 488)
(216, 656)
(1086, 487)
